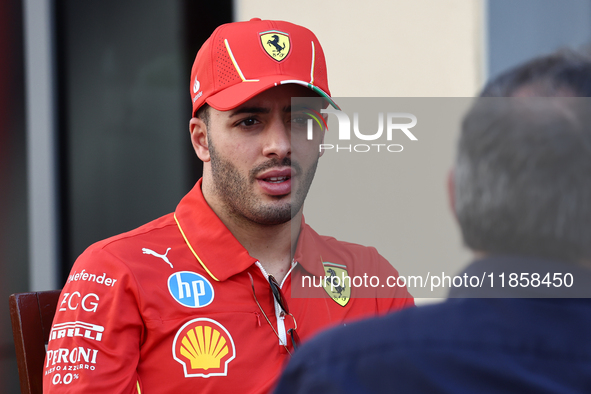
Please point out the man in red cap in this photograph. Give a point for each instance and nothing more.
(200, 299)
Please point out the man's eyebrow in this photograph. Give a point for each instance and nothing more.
(258, 110)
(250, 110)
(297, 108)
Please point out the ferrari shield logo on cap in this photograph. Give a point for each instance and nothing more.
(276, 44)
(337, 283)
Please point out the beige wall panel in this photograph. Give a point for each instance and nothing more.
(404, 48)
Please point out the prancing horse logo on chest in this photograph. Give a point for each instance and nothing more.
(162, 256)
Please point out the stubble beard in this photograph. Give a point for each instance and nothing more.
(237, 192)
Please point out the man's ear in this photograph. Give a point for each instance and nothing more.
(198, 130)
(451, 192)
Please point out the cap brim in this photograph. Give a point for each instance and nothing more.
(240, 93)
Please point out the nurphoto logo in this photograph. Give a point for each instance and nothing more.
(395, 122)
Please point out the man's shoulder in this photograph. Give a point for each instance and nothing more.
(397, 335)
(337, 247)
(455, 325)
(399, 330)
(148, 230)
(350, 259)
(128, 248)
(464, 337)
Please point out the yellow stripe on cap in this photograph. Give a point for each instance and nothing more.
(235, 63)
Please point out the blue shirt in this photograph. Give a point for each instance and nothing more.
(480, 345)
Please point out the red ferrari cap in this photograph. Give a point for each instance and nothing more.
(242, 59)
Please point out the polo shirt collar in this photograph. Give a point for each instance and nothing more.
(210, 241)
(308, 251)
(217, 250)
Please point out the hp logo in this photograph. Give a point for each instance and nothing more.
(190, 289)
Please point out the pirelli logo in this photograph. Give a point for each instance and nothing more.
(76, 329)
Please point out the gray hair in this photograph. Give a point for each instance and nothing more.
(523, 177)
(563, 73)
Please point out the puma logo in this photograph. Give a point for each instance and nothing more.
(162, 256)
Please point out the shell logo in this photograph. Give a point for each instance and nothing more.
(204, 348)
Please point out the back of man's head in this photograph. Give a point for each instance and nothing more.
(564, 73)
(522, 172)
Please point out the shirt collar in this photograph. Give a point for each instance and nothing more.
(219, 252)
(210, 241)
(309, 250)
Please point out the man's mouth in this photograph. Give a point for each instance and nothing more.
(276, 182)
(277, 179)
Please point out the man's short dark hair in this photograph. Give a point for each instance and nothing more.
(203, 114)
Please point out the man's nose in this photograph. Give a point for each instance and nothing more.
(277, 139)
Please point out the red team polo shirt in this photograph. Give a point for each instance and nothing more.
(169, 307)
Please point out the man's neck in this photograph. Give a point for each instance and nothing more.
(272, 245)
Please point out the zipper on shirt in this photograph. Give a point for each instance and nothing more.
(279, 315)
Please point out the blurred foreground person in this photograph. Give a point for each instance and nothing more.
(521, 191)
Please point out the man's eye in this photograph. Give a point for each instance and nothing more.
(301, 120)
(248, 122)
